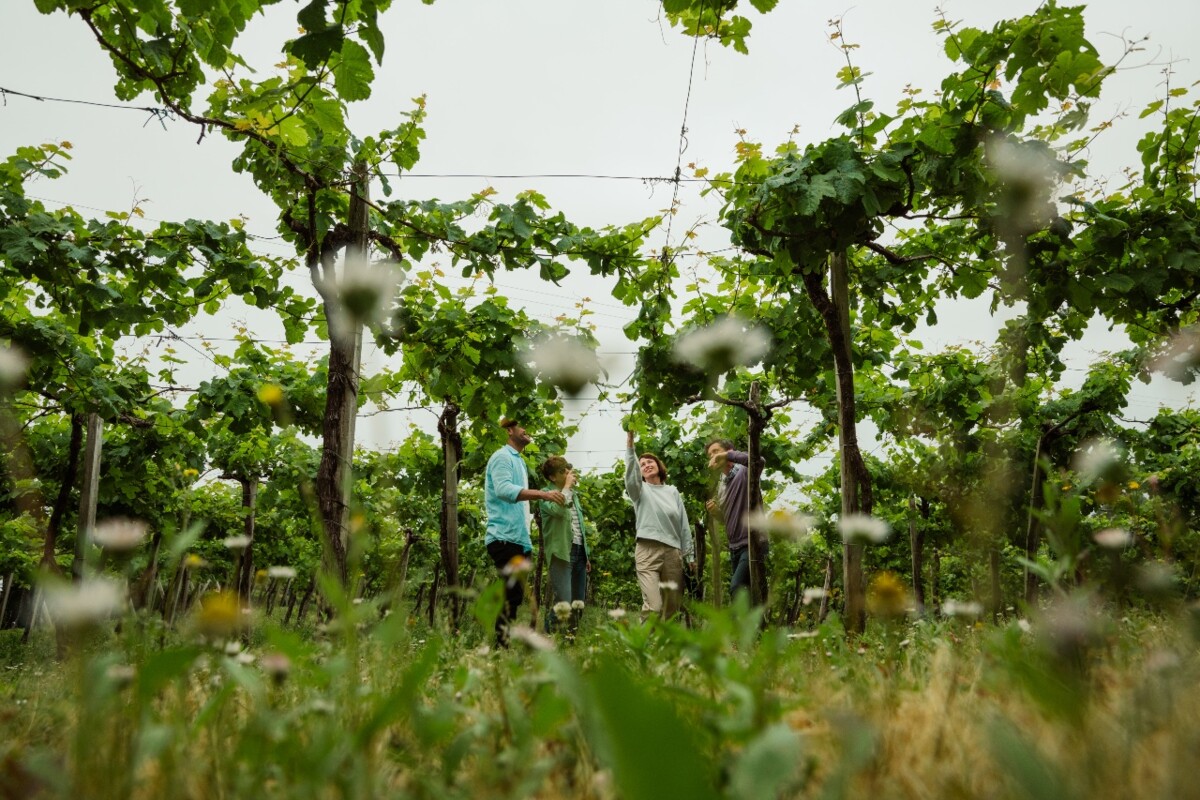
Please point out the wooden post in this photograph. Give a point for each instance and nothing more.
(334, 479)
(87, 493)
(916, 539)
(853, 582)
(715, 550)
(755, 540)
(244, 579)
(451, 446)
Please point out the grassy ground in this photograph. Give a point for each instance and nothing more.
(1074, 703)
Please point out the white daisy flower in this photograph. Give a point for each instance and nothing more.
(781, 523)
(85, 603)
(1113, 538)
(812, 593)
(119, 535)
(367, 289)
(860, 527)
(564, 361)
(530, 638)
(956, 608)
(730, 342)
(13, 365)
(1095, 459)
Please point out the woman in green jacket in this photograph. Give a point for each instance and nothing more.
(564, 541)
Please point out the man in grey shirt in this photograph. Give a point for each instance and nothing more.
(731, 501)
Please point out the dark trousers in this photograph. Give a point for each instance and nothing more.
(502, 554)
(739, 570)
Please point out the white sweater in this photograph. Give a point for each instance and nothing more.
(658, 509)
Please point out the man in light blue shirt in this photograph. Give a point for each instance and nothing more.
(506, 496)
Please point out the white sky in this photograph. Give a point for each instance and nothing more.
(558, 86)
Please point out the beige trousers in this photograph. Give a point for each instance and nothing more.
(658, 564)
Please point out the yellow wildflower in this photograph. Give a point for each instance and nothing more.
(887, 596)
(220, 615)
(271, 394)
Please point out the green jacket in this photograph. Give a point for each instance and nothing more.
(556, 526)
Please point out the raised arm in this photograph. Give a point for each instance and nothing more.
(633, 475)
(743, 458)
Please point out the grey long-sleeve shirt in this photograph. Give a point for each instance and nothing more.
(658, 509)
(733, 497)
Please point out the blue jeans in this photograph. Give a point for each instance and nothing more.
(568, 582)
(739, 570)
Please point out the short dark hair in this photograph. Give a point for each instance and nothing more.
(508, 422)
(662, 468)
(726, 444)
(552, 466)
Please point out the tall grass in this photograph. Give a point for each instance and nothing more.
(1077, 703)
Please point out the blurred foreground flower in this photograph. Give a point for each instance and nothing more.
(12, 367)
(565, 361)
(1071, 627)
(120, 674)
(276, 665)
(1156, 579)
(1180, 357)
(730, 342)
(220, 615)
(530, 638)
(562, 610)
(887, 596)
(781, 523)
(119, 535)
(367, 289)
(669, 586)
(577, 605)
(963, 608)
(281, 573)
(812, 593)
(1113, 538)
(517, 569)
(92, 601)
(270, 394)
(237, 542)
(1028, 171)
(616, 614)
(1098, 460)
(860, 527)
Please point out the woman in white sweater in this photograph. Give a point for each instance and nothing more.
(664, 537)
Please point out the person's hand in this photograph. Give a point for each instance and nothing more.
(692, 566)
(711, 505)
(589, 566)
(629, 439)
(572, 479)
(555, 497)
(718, 460)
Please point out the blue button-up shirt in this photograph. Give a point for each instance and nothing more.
(506, 516)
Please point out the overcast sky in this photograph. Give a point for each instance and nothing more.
(534, 87)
